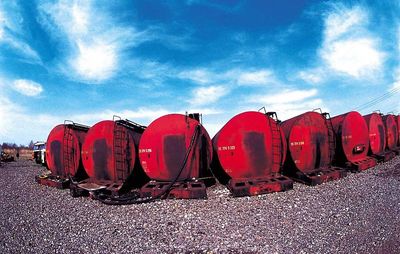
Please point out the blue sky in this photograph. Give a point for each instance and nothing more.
(88, 60)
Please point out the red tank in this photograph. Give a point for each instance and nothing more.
(162, 151)
(311, 147)
(352, 139)
(377, 135)
(389, 121)
(398, 129)
(109, 154)
(249, 152)
(63, 150)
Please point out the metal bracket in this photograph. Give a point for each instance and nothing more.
(118, 118)
(273, 115)
(317, 110)
(263, 109)
(76, 125)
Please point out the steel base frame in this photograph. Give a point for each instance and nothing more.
(396, 150)
(259, 186)
(385, 156)
(179, 190)
(361, 165)
(53, 181)
(86, 187)
(320, 175)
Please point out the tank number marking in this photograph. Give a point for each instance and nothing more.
(145, 150)
(348, 137)
(300, 143)
(226, 148)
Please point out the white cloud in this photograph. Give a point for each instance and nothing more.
(2, 24)
(18, 125)
(286, 96)
(240, 77)
(24, 126)
(348, 47)
(289, 103)
(312, 76)
(12, 33)
(355, 57)
(95, 42)
(22, 48)
(341, 21)
(207, 95)
(27, 87)
(200, 76)
(141, 115)
(96, 62)
(80, 18)
(260, 77)
(204, 111)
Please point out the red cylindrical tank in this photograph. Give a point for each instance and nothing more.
(63, 150)
(352, 137)
(109, 153)
(398, 129)
(377, 135)
(165, 143)
(389, 121)
(249, 146)
(308, 143)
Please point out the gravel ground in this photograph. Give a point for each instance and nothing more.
(357, 214)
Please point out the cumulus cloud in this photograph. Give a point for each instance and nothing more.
(27, 87)
(290, 102)
(96, 61)
(348, 47)
(207, 95)
(260, 77)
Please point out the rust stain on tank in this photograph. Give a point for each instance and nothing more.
(100, 158)
(381, 131)
(254, 143)
(56, 152)
(174, 151)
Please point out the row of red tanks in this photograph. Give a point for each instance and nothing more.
(254, 153)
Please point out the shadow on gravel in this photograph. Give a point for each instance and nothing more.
(392, 172)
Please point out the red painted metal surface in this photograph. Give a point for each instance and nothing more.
(53, 181)
(391, 131)
(311, 147)
(109, 154)
(186, 190)
(164, 144)
(398, 129)
(377, 134)
(244, 146)
(249, 152)
(352, 141)
(63, 150)
(308, 141)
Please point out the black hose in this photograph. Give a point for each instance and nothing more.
(135, 197)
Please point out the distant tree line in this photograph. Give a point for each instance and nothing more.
(15, 146)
